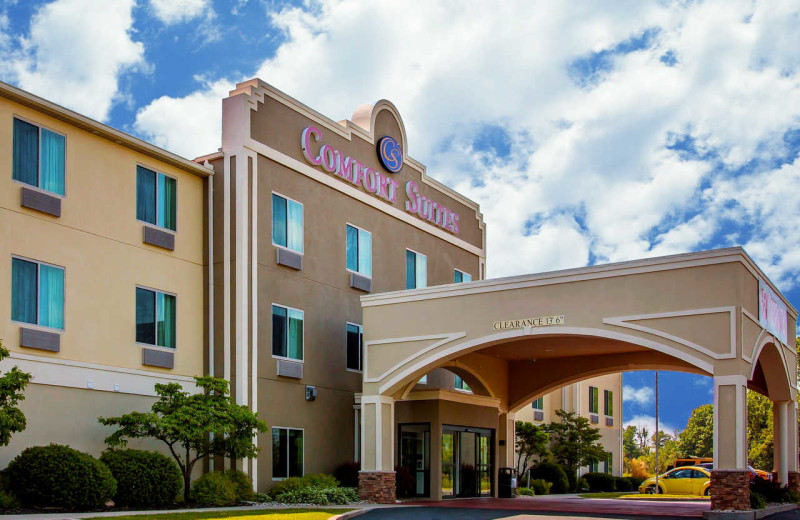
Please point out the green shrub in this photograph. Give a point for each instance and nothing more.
(582, 485)
(541, 487)
(554, 474)
(757, 500)
(623, 484)
(347, 474)
(572, 478)
(790, 496)
(320, 480)
(242, 484)
(635, 482)
(213, 490)
(7, 500)
(297, 483)
(144, 478)
(58, 476)
(319, 496)
(601, 482)
(525, 492)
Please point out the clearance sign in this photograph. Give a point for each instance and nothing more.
(525, 323)
(373, 180)
(772, 313)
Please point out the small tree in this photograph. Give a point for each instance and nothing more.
(12, 383)
(193, 426)
(697, 439)
(575, 441)
(532, 442)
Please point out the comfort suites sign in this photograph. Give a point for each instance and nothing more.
(373, 180)
(772, 313)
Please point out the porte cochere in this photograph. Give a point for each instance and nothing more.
(514, 339)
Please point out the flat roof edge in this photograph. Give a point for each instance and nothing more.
(102, 130)
(732, 254)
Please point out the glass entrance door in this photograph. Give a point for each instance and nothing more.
(467, 467)
(415, 448)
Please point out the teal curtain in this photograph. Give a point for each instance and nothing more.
(23, 291)
(422, 271)
(280, 445)
(167, 202)
(51, 296)
(26, 153)
(279, 220)
(458, 277)
(466, 277)
(279, 326)
(352, 248)
(145, 195)
(165, 320)
(295, 453)
(53, 160)
(365, 252)
(411, 270)
(295, 343)
(295, 226)
(145, 316)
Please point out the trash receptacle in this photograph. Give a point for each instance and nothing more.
(507, 483)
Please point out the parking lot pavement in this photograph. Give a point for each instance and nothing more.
(463, 513)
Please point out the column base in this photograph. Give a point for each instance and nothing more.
(794, 481)
(730, 490)
(377, 486)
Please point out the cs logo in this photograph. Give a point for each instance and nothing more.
(390, 154)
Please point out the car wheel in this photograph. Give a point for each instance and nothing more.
(652, 490)
(708, 491)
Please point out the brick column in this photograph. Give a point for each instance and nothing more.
(377, 486)
(730, 490)
(794, 481)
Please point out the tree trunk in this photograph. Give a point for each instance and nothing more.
(187, 483)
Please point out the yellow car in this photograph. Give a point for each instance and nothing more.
(686, 480)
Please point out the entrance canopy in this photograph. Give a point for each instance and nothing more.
(515, 339)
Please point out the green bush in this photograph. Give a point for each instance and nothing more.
(347, 474)
(572, 478)
(600, 482)
(241, 484)
(320, 496)
(213, 490)
(582, 485)
(635, 482)
(554, 474)
(58, 476)
(525, 492)
(144, 478)
(623, 484)
(757, 500)
(297, 483)
(541, 487)
(7, 500)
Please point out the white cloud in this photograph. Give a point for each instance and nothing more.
(649, 422)
(640, 161)
(74, 54)
(176, 11)
(641, 396)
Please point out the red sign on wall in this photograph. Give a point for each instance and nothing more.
(772, 313)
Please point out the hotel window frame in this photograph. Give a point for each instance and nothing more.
(303, 329)
(359, 230)
(157, 172)
(36, 325)
(539, 400)
(155, 309)
(457, 272)
(464, 386)
(302, 227)
(608, 464)
(37, 186)
(608, 403)
(303, 469)
(360, 347)
(416, 272)
(594, 400)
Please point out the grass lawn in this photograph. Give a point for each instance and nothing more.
(278, 514)
(605, 495)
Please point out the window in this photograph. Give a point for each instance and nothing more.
(155, 318)
(608, 406)
(355, 334)
(594, 467)
(608, 463)
(37, 293)
(287, 223)
(416, 270)
(461, 385)
(287, 453)
(594, 396)
(423, 380)
(538, 404)
(359, 251)
(156, 198)
(461, 276)
(38, 157)
(287, 332)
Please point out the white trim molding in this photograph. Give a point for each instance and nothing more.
(443, 339)
(624, 321)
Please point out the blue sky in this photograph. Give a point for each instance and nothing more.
(589, 132)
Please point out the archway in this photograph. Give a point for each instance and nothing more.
(519, 337)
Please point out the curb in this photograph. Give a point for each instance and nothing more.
(749, 515)
(352, 514)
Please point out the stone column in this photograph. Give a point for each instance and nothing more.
(506, 439)
(376, 481)
(730, 480)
